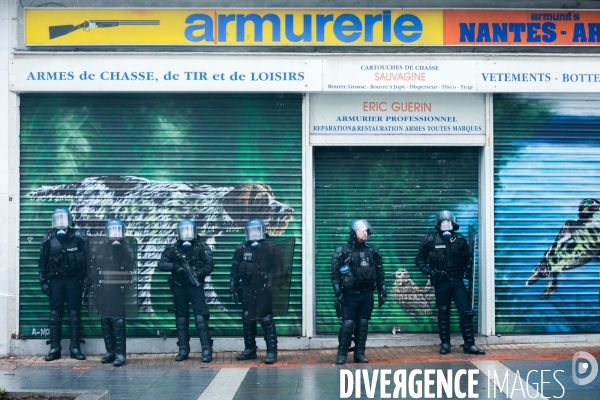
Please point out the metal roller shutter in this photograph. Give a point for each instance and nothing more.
(216, 158)
(547, 154)
(398, 190)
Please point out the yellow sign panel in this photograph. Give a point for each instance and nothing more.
(279, 27)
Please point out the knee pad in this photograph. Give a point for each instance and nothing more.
(444, 311)
(181, 322)
(267, 320)
(119, 323)
(466, 317)
(348, 324)
(54, 316)
(73, 314)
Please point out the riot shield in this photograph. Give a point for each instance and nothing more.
(472, 235)
(112, 268)
(270, 290)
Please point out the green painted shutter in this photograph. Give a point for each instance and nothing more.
(547, 158)
(398, 190)
(223, 141)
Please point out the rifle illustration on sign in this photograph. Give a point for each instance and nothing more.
(62, 30)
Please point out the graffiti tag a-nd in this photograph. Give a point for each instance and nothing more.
(40, 332)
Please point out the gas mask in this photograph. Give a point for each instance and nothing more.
(61, 233)
(446, 228)
(186, 245)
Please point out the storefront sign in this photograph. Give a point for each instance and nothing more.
(521, 27)
(367, 117)
(232, 27)
(212, 74)
(548, 74)
(339, 74)
(399, 75)
(309, 27)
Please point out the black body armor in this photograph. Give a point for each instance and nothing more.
(364, 261)
(199, 258)
(63, 257)
(451, 257)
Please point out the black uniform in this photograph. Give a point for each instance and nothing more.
(355, 293)
(111, 302)
(62, 269)
(199, 257)
(247, 258)
(447, 261)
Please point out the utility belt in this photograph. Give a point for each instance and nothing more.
(450, 274)
(178, 281)
(75, 263)
(357, 291)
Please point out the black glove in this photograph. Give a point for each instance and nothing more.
(426, 270)
(234, 292)
(179, 269)
(469, 273)
(45, 287)
(382, 298)
(337, 289)
(381, 295)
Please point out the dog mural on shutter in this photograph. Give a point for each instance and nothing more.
(151, 209)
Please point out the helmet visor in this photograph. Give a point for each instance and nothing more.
(186, 232)
(115, 231)
(60, 219)
(255, 232)
(360, 226)
(446, 225)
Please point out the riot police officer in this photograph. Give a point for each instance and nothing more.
(62, 270)
(190, 261)
(356, 270)
(445, 257)
(113, 297)
(246, 257)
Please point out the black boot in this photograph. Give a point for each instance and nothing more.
(183, 337)
(120, 343)
(466, 327)
(205, 340)
(344, 338)
(75, 333)
(109, 340)
(55, 326)
(249, 327)
(362, 329)
(268, 326)
(444, 328)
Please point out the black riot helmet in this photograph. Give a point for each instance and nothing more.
(115, 229)
(359, 225)
(446, 215)
(61, 218)
(186, 230)
(255, 230)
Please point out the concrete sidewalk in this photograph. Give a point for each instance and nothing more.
(379, 355)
